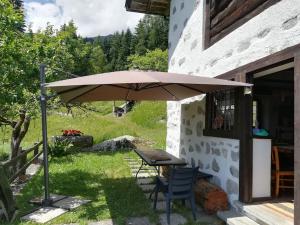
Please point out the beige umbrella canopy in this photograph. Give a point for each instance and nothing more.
(138, 85)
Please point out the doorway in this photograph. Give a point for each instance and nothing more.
(273, 133)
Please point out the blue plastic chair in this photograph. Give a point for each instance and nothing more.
(180, 185)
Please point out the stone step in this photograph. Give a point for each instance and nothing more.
(147, 187)
(144, 170)
(143, 175)
(138, 221)
(265, 213)
(160, 196)
(233, 218)
(149, 180)
(175, 219)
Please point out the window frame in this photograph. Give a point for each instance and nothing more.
(209, 130)
(209, 41)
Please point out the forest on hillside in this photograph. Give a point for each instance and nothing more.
(65, 53)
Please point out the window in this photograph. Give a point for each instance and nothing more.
(220, 113)
(224, 16)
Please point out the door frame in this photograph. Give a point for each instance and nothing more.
(291, 54)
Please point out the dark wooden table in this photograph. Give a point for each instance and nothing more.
(157, 158)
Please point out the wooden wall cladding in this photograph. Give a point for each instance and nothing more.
(224, 16)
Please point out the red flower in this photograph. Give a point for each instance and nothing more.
(71, 132)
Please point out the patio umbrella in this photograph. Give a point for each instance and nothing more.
(125, 85)
(137, 85)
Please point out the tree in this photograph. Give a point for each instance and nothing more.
(156, 60)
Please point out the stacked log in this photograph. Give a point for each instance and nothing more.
(211, 197)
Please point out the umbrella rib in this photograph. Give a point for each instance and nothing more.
(193, 89)
(156, 85)
(80, 95)
(169, 92)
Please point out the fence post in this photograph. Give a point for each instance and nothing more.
(35, 152)
(22, 163)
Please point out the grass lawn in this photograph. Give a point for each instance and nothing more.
(104, 178)
(147, 120)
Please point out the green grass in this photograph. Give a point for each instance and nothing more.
(104, 178)
(148, 121)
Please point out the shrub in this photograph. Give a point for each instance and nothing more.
(60, 148)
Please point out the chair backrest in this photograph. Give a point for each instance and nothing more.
(181, 181)
(275, 158)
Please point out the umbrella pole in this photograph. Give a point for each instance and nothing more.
(43, 102)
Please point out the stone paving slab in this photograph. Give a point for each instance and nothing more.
(103, 222)
(160, 205)
(160, 196)
(44, 215)
(33, 169)
(142, 174)
(175, 219)
(149, 180)
(147, 187)
(138, 221)
(70, 203)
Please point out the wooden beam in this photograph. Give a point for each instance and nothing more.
(297, 139)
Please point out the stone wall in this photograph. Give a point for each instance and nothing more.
(273, 30)
(216, 156)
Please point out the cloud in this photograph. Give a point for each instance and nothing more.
(92, 17)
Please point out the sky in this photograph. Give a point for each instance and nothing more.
(92, 17)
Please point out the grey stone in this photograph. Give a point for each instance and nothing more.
(229, 54)
(229, 145)
(173, 62)
(70, 203)
(187, 36)
(185, 22)
(200, 110)
(199, 129)
(119, 143)
(213, 62)
(193, 162)
(138, 221)
(175, 27)
(174, 10)
(169, 45)
(182, 6)
(243, 46)
(213, 143)
(181, 61)
(235, 156)
(215, 166)
(216, 151)
(234, 171)
(147, 187)
(232, 187)
(141, 181)
(183, 152)
(200, 164)
(263, 33)
(221, 143)
(198, 148)
(44, 215)
(207, 148)
(183, 121)
(217, 181)
(202, 143)
(207, 166)
(191, 149)
(182, 141)
(175, 219)
(188, 131)
(160, 196)
(188, 122)
(224, 152)
(103, 222)
(290, 23)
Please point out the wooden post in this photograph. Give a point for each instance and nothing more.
(297, 138)
(35, 152)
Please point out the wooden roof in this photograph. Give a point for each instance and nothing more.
(158, 7)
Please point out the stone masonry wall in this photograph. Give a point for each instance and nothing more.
(275, 29)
